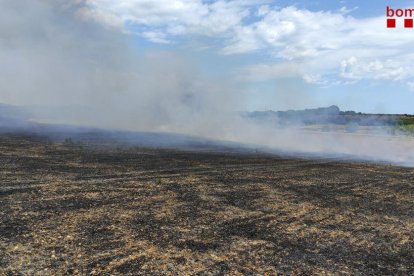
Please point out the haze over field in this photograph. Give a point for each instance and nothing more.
(191, 67)
(206, 137)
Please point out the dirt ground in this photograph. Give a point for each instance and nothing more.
(71, 209)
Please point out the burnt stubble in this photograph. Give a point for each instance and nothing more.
(68, 208)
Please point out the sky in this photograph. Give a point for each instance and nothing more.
(333, 52)
(70, 60)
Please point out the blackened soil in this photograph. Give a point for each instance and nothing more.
(72, 209)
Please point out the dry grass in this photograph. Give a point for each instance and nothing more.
(71, 210)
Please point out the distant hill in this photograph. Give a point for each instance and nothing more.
(328, 115)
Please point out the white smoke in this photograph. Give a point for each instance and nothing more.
(76, 72)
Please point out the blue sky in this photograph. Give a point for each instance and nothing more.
(322, 52)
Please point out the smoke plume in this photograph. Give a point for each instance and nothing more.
(70, 71)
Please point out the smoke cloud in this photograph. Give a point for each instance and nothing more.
(67, 70)
(71, 71)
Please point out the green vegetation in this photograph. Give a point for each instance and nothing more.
(405, 124)
(406, 129)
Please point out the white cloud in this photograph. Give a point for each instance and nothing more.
(263, 10)
(326, 44)
(352, 68)
(157, 37)
(311, 78)
(322, 43)
(172, 16)
(292, 32)
(345, 9)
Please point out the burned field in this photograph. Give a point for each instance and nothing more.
(73, 209)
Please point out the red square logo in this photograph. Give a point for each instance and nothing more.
(390, 23)
(408, 23)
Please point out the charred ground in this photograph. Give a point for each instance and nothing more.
(76, 209)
